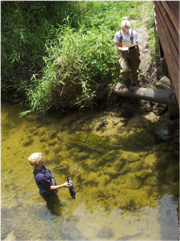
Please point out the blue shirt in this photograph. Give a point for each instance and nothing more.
(41, 178)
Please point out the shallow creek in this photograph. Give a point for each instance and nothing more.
(127, 186)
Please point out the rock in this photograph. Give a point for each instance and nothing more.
(135, 166)
(100, 162)
(124, 119)
(118, 164)
(110, 172)
(52, 142)
(159, 109)
(163, 84)
(143, 173)
(83, 156)
(110, 155)
(125, 169)
(73, 152)
(133, 157)
(138, 121)
(53, 135)
(56, 149)
(103, 180)
(151, 117)
(105, 233)
(162, 131)
(31, 129)
(115, 121)
(123, 156)
(132, 182)
(60, 136)
(149, 162)
(43, 138)
(151, 181)
(92, 179)
(143, 154)
(41, 132)
(38, 125)
(28, 142)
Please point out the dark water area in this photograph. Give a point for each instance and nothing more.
(127, 185)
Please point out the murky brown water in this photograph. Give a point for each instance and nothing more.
(127, 186)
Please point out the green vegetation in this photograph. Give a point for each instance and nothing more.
(153, 41)
(55, 56)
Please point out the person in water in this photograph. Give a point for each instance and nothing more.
(45, 181)
(129, 60)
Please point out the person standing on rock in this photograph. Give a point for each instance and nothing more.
(45, 181)
(128, 57)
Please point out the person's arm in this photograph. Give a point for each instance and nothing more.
(118, 47)
(66, 184)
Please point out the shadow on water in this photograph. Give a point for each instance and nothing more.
(127, 184)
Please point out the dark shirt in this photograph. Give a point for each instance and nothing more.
(41, 178)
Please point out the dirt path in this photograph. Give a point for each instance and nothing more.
(145, 51)
(149, 73)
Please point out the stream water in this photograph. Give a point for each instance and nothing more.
(127, 186)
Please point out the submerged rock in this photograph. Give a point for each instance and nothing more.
(151, 181)
(52, 142)
(118, 164)
(143, 173)
(162, 131)
(105, 233)
(132, 182)
(135, 166)
(28, 142)
(133, 157)
(125, 169)
(110, 155)
(149, 162)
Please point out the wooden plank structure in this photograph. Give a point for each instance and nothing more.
(167, 25)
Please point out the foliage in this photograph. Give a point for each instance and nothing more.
(54, 55)
(25, 28)
(153, 40)
(77, 66)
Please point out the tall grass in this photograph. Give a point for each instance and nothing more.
(25, 28)
(62, 54)
(78, 66)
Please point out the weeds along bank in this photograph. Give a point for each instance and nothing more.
(54, 55)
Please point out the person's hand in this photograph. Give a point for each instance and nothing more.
(67, 184)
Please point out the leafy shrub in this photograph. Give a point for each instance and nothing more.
(77, 67)
(61, 54)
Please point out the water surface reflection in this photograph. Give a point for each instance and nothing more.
(127, 186)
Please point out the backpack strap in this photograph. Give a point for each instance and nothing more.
(121, 38)
(51, 178)
(131, 37)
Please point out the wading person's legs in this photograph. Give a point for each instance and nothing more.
(125, 69)
(134, 65)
